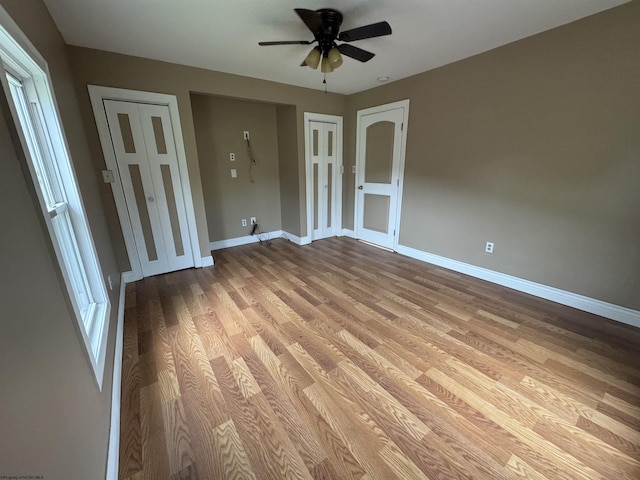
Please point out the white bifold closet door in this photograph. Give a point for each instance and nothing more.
(323, 143)
(144, 147)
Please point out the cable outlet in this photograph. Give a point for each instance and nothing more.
(244, 222)
(489, 247)
(246, 135)
(253, 220)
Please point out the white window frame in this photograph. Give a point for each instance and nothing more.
(36, 117)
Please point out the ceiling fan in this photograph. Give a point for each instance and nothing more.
(325, 27)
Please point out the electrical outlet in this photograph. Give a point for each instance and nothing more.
(232, 157)
(353, 169)
(246, 135)
(244, 222)
(489, 247)
(253, 220)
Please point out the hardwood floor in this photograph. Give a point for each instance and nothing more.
(340, 360)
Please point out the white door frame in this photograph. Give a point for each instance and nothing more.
(337, 207)
(97, 95)
(404, 104)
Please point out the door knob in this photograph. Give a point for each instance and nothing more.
(360, 187)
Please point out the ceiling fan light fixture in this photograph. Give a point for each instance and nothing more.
(325, 24)
(334, 57)
(326, 67)
(313, 58)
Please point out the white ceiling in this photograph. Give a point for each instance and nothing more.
(223, 35)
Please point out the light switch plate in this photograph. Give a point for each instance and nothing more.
(107, 176)
(234, 173)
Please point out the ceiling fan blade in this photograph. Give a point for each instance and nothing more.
(355, 52)
(368, 31)
(286, 42)
(311, 19)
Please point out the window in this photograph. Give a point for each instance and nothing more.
(27, 87)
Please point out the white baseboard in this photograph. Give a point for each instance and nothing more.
(296, 239)
(129, 277)
(306, 240)
(587, 304)
(348, 233)
(114, 432)
(236, 242)
(207, 261)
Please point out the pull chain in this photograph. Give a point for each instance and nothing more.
(325, 83)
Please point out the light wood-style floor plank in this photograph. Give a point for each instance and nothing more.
(338, 360)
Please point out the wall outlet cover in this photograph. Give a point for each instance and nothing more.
(107, 176)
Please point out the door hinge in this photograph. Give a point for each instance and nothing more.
(398, 182)
(394, 233)
(402, 127)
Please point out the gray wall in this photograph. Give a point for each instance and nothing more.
(219, 125)
(54, 421)
(534, 146)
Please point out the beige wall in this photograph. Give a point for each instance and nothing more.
(530, 146)
(292, 201)
(54, 421)
(534, 146)
(219, 125)
(121, 71)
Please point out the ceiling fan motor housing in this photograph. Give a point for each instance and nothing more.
(325, 25)
(331, 21)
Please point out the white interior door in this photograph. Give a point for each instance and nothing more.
(145, 152)
(379, 160)
(324, 171)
